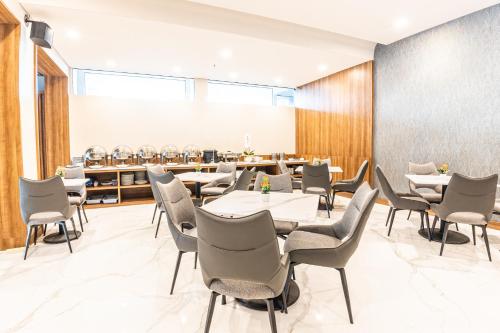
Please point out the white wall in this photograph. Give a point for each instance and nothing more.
(108, 122)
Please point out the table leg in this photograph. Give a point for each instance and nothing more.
(197, 190)
(260, 304)
(59, 237)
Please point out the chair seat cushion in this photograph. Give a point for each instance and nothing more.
(242, 289)
(413, 203)
(285, 227)
(303, 240)
(213, 190)
(467, 218)
(75, 200)
(49, 217)
(344, 186)
(315, 190)
(432, 197)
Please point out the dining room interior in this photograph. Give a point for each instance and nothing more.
(249, 166)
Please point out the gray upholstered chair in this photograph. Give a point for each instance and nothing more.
(316, 180)
(241, 184)
(469, 201)
(350, 185)
(240, 257)
(401, 202)
(282, 184)
(430, 193)
(154, 179)
(216, 187)
(157, 168)
(333, 245)
(78, 195)
(43, 202)
(180, 212)
(283, 168)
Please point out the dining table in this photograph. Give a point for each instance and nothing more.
(70, 185)
(331, 169)
(453, 237)
(292, 207)
(199, 178)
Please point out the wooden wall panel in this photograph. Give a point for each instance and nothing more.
(333, 118)
(12, 230)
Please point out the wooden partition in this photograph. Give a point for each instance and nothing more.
(333, 118)
(12, 231)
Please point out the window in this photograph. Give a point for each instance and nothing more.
(237, 93)
(100, 83)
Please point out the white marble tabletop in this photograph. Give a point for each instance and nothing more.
(332, 169)
(431, 179)
(201, 177)
(294, 207)
(74, 182)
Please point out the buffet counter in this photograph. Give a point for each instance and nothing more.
(106, 189)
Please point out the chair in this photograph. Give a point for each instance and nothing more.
(154, 179)
(430, 193)
(241, 184)
(240, 257)
(350, 185)
(282, 184)
(296, 183)
(316, 180)
(469, 201)
(216, 187)
(78, 195)
(157, 168)
(180, 212)
(43, 202)
(401, 202)
(333, 245)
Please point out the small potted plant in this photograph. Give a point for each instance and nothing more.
(443, 169)
(60, 171)
(197, 168)
(265, 188)
(248, 154)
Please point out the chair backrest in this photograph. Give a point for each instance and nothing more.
(177, 202)
(243, 181)
(316, 176)
(229, 167)
(350, 228)
(157, 168)
(467, 194)
(74, 172)
(428, 168)
(360, 175)
(162, 178)
(283, 167)
(38, 196)
(243, 249)
(279, 183)
(386, 186)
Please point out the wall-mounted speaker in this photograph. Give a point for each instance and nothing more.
(41, 33)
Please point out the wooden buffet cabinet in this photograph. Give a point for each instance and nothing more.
(142, 194)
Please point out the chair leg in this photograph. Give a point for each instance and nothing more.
(36, 235)
(74, 227)
(327, 205)
(333, 199)
(388, 216)
(445, 234)
(158, 225)
(27, 244)
(79, 217)
(421, 220)
(428, 226)
(179, 257)
(392, 221)
(67, 236)
(272, 318)
(210, 312)
(154, 214)
(434, 222)
(486, 242)
(456, 226)
(346, 293)
(474, 233)
(44, 228)
(195, 259)
(84, 213)
(291, 272)
(409, 213)
(223, 302)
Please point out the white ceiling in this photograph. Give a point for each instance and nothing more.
(269, 40)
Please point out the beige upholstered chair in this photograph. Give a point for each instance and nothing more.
(240, 258)
(350, 185)
(283, 168)
(217, 187)
(180, 212)
(43, 202)
(401, 202)
(283, 184)
(469, 201)
(78, 195)
(241, 184)
(333, 245)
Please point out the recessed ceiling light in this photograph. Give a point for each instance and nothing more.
(233, 75)
(278, 80)
(322, 67)
(226, 53)
(176, 69)
(111, 63)
(400, 23)
(72, 34)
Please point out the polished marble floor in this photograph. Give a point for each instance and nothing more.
(118, 279)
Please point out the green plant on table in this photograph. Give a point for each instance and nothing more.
(60, 171)
(443, 169)
(265, 186)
